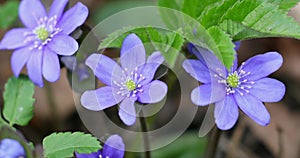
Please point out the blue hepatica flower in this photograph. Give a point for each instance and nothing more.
(45, 37)
(245, 87)
(128, 83)
(113, 148)
(10, 148)
(79, 68)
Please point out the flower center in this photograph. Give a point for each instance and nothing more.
(233, 80)
(130, 85)
(100, 156)
(42, 33)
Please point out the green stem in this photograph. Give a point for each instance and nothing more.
(2, 121)
(51, 103)
(213, 143)
(144, 129)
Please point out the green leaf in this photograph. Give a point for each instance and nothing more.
(213, 39)
(18, 101)
(224, 21)
(175, 4)
(170, 13)
(115, 39)
(251, 19)
(224, 46)
(264, 20)
(100, 13)
(243, 19)
(58, 145)
(215, 14)
(196, 8)
(8, 13)
(168, 43)
(284, 5)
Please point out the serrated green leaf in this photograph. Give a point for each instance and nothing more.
(268, 19)
(195, 32)
(251, 19)
(238, 32)
(168, 43)
(284, 5)
(58, 145)
(172, 16)
(18, 101)
(8, 13)
(175, 4)
(240, 10)
(115, 39)
(224, 45)
(215, 14)
(213, 39)
(233, 20)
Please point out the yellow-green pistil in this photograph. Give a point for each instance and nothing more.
(233, 80)
(42, 33)
(130, 85)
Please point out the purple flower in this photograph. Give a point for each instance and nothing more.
(237, 45)
(245, 87)
(113, 148)
(128, 83)
(45, 37)
(79, 68)
(10, 148)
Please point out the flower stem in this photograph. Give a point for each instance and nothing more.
(144, 129)
(213, 143)
(52, 106)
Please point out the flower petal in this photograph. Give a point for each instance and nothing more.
(100, 98)
(19, 58)
(69, 62)
(127, 111)
(34, 67)
(156, 57)
(234, 64)
(254, 108)
(153, 92)
(113, 147)
(91, 155)
(206, 57)
(10, 148)
(31, 11)
(235, 61)
(148, 70)
(57, 8)
(14, 38)
(193, 49)
(262, 65)
(237, 45)
(132, 53)
(207, 94)
(226, 113)
(73, 18)
(51, 67)
(106, 69)
(197, 69)
(63, 45)
(268, 90)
